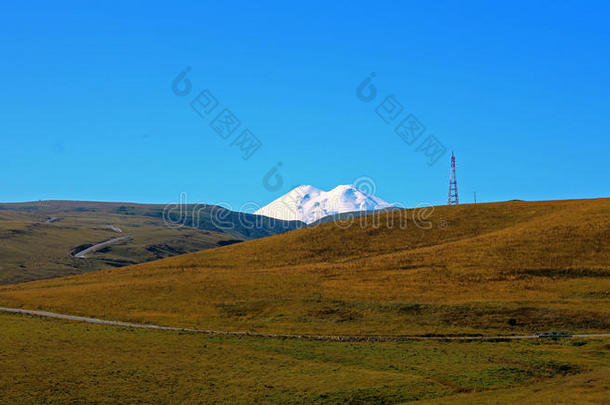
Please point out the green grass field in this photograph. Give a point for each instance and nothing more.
(51, 361)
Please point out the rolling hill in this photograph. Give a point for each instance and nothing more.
(41, 239)
(511, 268)
(502, 267)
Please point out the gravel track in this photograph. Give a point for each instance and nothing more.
(331, 338)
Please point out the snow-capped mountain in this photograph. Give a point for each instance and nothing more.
(308, 204)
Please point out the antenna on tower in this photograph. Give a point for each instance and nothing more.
(453, 191)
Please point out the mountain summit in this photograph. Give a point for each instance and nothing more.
(308, 203)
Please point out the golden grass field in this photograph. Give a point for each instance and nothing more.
(545, 265)
(510, 268)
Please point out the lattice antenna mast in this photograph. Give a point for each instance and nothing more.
(453, 191)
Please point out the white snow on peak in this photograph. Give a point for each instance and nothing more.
(308, 203)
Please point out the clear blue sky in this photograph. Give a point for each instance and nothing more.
(519, 91)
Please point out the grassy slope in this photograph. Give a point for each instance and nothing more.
(202, 216)
(503, 267)
(51, 361)
(31, 248)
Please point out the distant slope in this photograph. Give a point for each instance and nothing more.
(202, 216)
(40, 239)
(508, 267)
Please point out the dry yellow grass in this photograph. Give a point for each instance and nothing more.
(485, 268)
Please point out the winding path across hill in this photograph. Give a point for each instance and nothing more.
(339, 338)
(98, 246)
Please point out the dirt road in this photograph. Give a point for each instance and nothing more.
(82, 254)
(364, 338)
